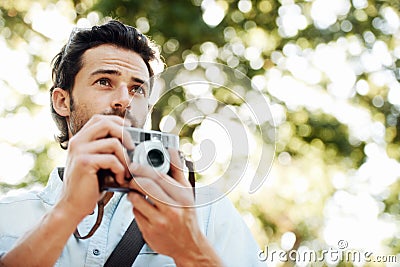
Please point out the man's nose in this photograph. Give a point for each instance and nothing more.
(122, 98)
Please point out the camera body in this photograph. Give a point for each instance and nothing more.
(150, 149)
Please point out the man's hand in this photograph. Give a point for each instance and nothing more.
(98, 145)
(167, 217)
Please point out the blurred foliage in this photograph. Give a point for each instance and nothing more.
(315, 144)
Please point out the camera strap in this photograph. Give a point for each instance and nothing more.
(100, 210)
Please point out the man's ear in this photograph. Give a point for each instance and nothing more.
(61, 101)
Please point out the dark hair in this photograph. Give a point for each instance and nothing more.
(68, 62)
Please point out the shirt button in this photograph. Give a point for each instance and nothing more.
(96, 252)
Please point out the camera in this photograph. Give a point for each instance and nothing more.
(150, 149)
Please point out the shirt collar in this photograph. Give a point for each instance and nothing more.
(52, 191)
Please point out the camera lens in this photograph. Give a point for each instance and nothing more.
(155, 157)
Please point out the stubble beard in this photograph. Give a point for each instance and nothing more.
(80, 116)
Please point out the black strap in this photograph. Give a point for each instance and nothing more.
(128, 248)
(192, 178)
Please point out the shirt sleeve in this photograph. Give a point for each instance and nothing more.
(231, 237)
(6, 243)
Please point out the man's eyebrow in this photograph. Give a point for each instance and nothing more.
(106, 71)
(115, 72)
(138, 80)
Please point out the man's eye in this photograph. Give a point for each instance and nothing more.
(138, 90)
(103, 82)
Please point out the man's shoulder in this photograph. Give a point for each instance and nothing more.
(225, 228)
(35, 193)
(215, 208)
(210, 197)
(21, 204)
(19, 210)
(16, 216)
(19, 196)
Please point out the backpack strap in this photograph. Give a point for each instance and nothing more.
(128, 248)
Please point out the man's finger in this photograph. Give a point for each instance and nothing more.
(102, 126)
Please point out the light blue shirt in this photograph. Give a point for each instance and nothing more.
(219, 221)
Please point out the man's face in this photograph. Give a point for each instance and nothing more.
(112, 80)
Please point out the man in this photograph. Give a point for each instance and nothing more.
(100, 78)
